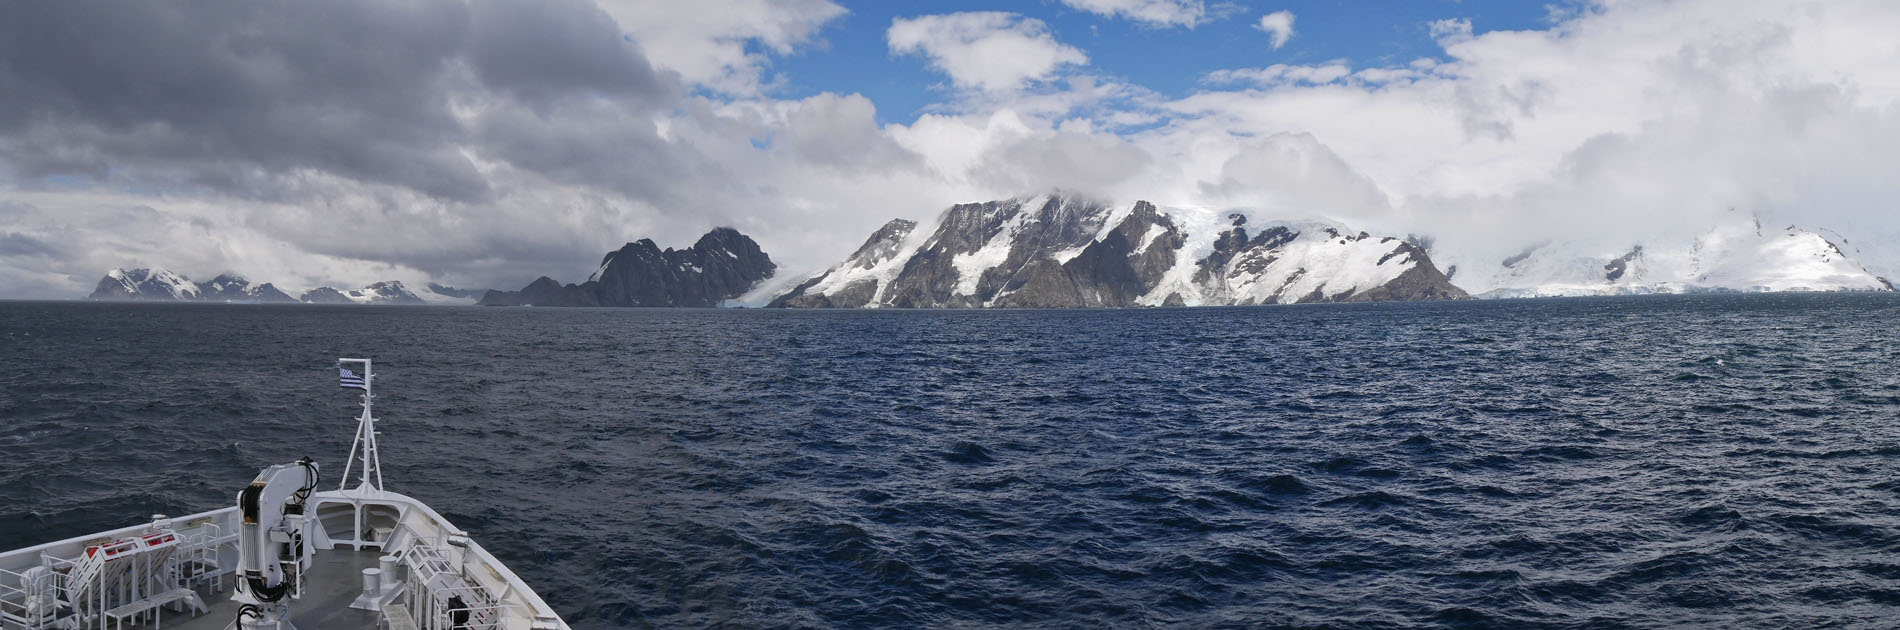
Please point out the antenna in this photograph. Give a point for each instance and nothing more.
(363, 451)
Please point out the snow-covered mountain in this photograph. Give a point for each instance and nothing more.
(386, 292)
(144, 284)
(235, 288)
(1738, 256)
(164, 285)
(1063, 251)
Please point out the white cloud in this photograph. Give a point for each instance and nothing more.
(1450, 31)
(1278, 25)
(1284, 74)
(989, 51)
(1293, 175)
(1630, 121)
(1186, 13)
(705, 40)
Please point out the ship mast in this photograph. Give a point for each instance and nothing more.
(363, 451)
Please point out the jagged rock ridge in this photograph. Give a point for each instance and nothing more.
(722, 265)
(1064, 252)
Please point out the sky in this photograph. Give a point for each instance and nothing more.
(483, 143)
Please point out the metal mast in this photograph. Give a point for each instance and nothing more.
(363, 451)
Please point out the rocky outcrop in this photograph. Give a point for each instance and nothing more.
(1071, 252)
(722, 265)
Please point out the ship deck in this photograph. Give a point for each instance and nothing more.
(334, 580)
(342, 522)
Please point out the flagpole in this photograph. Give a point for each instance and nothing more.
(365, 442)
(373, 453)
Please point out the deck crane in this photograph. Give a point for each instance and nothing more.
(272, 552)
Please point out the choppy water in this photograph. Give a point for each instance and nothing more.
(1642, 462)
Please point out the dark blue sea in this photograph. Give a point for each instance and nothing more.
(1716, 461)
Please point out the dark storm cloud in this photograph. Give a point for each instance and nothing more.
(597, 146)
(227, 94)
(16, 244)
(543, 51)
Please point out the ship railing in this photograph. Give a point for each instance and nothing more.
(200, 562)
(119, 578)
(443, 606)
(439, 593)
(31, 599)
(477, 617)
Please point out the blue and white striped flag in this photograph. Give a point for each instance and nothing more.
(350, 379)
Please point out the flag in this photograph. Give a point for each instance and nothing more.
(350, 379)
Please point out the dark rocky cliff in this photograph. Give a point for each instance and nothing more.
(724, 264)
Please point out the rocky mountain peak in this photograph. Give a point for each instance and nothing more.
(723, 264)
(1068, 251)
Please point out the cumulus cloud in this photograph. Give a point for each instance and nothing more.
(707, 41)
(1279, 26)
(990, 51)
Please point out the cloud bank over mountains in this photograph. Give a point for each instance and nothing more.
(485, 143)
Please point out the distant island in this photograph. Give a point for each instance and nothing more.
(161, 285)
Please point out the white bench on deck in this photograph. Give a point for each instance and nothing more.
(140, 608)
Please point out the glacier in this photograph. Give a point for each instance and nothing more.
(1738, 255)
